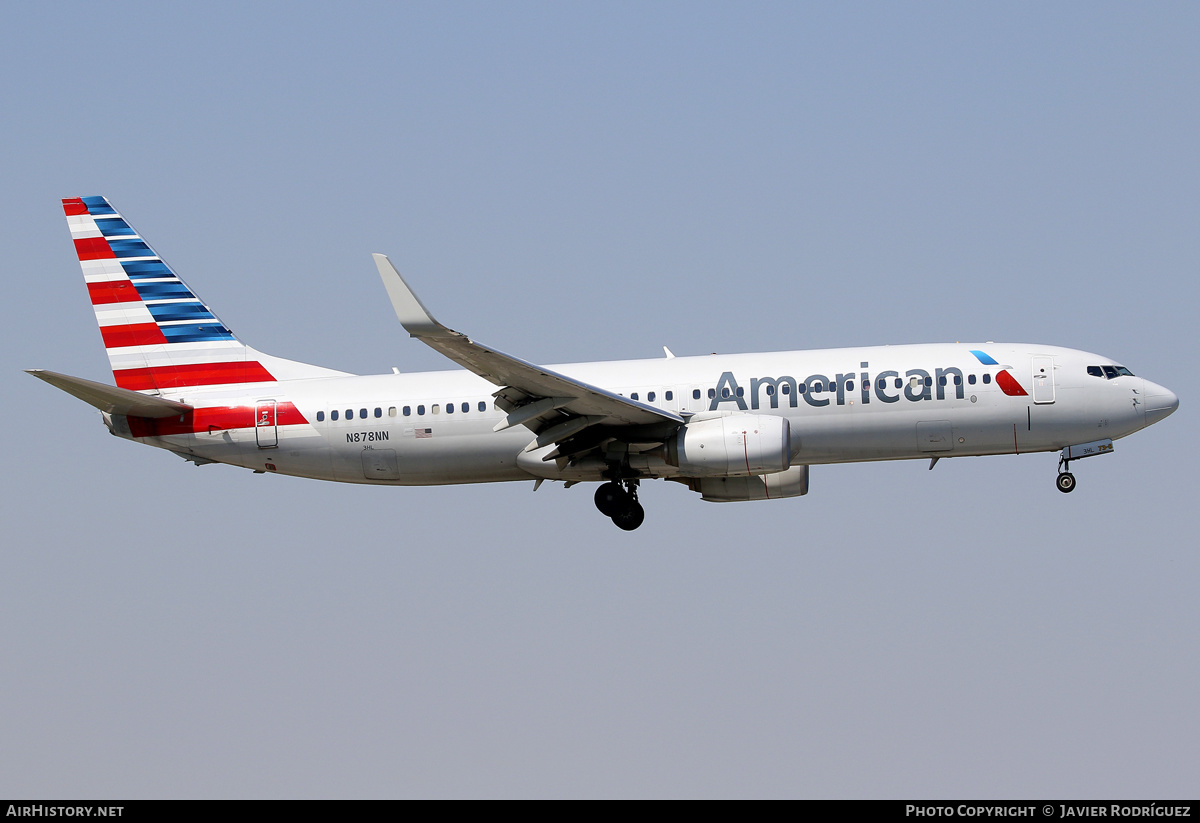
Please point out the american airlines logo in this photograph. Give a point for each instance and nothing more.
(886, 387)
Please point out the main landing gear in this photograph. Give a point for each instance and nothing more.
(621, 504)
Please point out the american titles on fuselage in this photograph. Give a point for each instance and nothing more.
(887, 387)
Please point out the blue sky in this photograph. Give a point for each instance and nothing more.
(578, 182)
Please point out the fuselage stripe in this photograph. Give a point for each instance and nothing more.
(214, 419)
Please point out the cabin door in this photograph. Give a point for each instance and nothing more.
(264, 424)
(1043, 379)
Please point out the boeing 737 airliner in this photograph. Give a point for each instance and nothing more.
(731, 427)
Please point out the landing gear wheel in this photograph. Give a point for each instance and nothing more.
(611, 499)
(630, 517)
(1066, 482)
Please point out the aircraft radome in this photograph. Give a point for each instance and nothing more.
(732, 427)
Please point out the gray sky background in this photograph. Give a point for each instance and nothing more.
(581, 182)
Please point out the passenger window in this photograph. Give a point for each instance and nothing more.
(435, 409)
(987, 378)
(849, 385)
(740, 391)
(349, 414)
(913, 383)
(466, 407)
(391, 411)
(724, 392)
(482, 405)
(800, 387)
(900, 383)
(928, 381)
(378, 412)
(650, 397)
(942, 380)
(771, 390)
(882, 383)
(971, 379)
(449, 408)
(695, 394)
(958, 379)
(362, 414)
(713, 393)
(787, 389)
(670, 396)
(420, 410)
(320, 416)
(406, 411)
(333, 415)
(633, 395)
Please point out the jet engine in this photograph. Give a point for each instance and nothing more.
(791, 483)
(731, 445)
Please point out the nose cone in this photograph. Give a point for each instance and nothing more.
(1160, 402)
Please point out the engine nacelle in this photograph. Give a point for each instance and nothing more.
(731, 446)
(791, 483)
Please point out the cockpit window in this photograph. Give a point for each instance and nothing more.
(1109, 372)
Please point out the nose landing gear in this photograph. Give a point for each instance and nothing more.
(1066, 480)
(621, 504)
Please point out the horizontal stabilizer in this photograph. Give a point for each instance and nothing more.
(111, 399)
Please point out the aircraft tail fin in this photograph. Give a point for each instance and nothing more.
(159, 335)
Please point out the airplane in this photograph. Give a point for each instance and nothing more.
(735, 427)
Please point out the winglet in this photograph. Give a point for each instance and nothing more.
(415, 318)
(591, 404)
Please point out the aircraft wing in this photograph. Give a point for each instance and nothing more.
(552, 405)
(110, 398)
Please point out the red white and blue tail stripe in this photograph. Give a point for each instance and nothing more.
(159, 335)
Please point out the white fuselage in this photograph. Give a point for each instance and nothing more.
(843, 405)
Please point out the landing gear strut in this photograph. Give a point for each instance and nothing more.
(1066, 480)
(621, 504)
